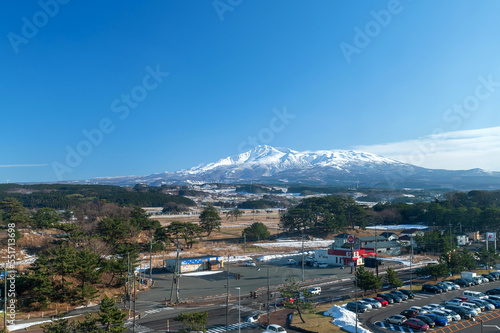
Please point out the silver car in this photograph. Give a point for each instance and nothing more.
(443, 314)
(455, 316)
(396, 319)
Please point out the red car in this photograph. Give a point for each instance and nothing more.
(382, 301)
(417, 324)
(286, 300)
(463, 299)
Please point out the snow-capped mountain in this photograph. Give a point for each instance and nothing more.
(266, 164)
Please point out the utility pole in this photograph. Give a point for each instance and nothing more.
(151, 260)
(128, 282)
(227, 296)
(239, 310)
(355, 291)
(244, 243)
(178, 273)
(376, 251)
(303, 259)
(451, 238)
(268, 318)
(134, 305)
(163, 255)
(411, 262)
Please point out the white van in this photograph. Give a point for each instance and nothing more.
(315, 290)
(472, 295)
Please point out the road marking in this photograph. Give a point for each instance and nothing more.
(139, 328)
(231, 327)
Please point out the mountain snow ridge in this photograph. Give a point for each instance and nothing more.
(280, 159)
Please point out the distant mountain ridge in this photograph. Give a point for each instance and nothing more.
(270, 165)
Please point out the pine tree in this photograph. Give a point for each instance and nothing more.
(210, 220)
(392, 278)
(367, 280)
(110, 316)
(292, 290)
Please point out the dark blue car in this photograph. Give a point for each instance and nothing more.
(494, 302)
(440, 321)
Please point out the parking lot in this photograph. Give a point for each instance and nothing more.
(375, 319)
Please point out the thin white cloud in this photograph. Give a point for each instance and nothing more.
(22, 165)
(458, 150)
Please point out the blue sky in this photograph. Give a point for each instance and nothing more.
(167, 85)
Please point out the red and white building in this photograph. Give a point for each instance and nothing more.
(342, 257)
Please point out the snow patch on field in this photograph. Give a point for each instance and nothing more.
(202, 273)
(345, 319)
(296, 244)
(283, 255)
(399, 227)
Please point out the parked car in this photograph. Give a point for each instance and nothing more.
(408, 293)
(291, 262)
(250, 263)
(426, 320)
(493, 302)
(444, 286)
(375, 303)
(462, 283)
(389, 299)
(474, 311)
(495, 291)
(401, 295)
(417, 324)
(396, 319)
(395, 297)
(472, 306)
(410, 313)
(494, 297)
(454, 316)
(322, 265)
(431, 288)
(453, 285)
(461, 298)
(367, 304)
(353, 306)
(381, 300)
(443, 314)
(463, 312)
(432, 307)
(439, 320)
(456, 302)
(488, 306)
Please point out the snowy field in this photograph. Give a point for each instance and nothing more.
(399, 227)
(345, 319)
(296, 244)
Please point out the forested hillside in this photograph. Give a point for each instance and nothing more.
(59, 196)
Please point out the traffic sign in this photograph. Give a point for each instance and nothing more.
(350, 239)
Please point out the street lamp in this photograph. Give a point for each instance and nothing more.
(239, 310)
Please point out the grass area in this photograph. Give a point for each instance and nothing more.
(315, 321)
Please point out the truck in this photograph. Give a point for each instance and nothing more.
(469, 276)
